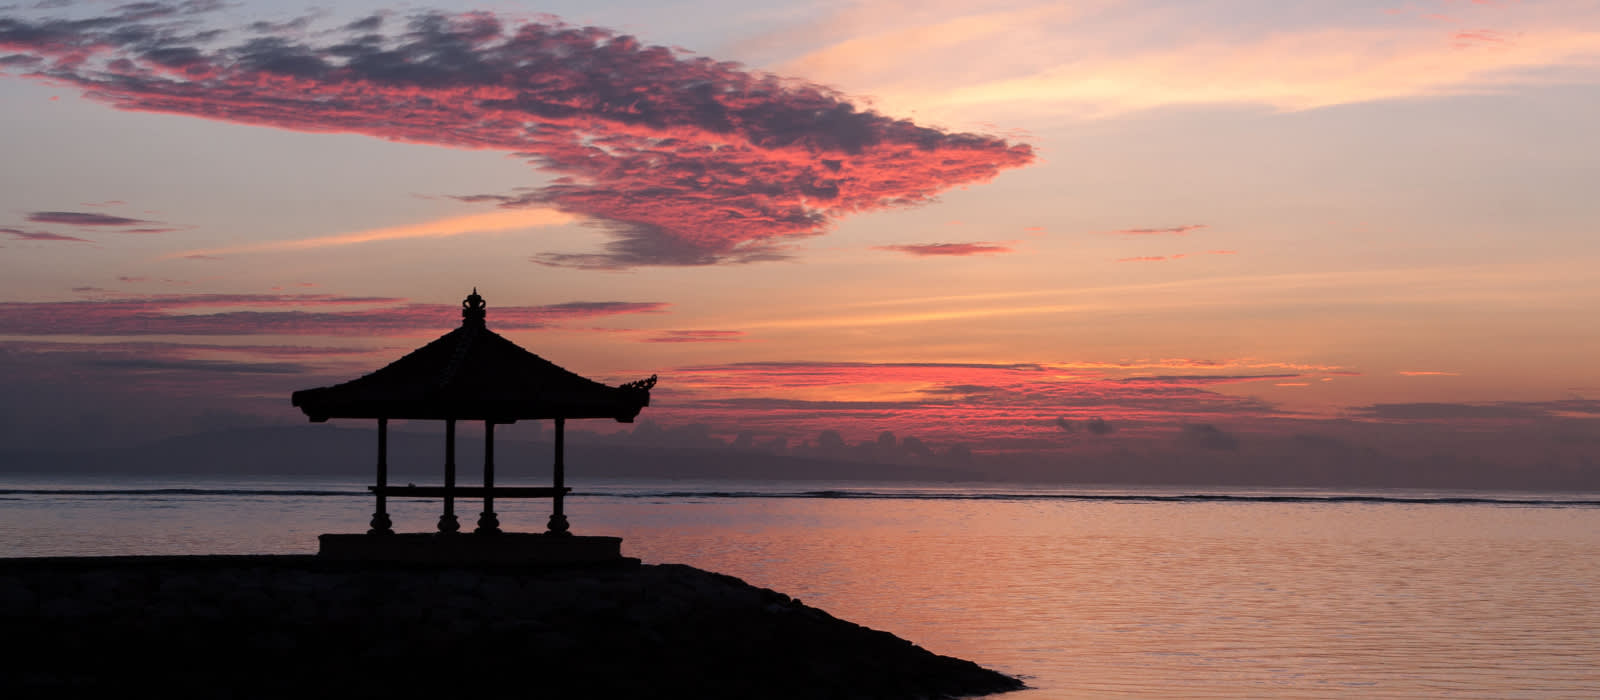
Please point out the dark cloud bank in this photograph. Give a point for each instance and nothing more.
(68, 406)
(683, 160)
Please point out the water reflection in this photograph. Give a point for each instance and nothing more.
(1190, 600)
(1086, 598)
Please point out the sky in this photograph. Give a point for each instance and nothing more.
(1036, 232)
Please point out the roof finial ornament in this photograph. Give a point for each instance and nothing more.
(473, 309)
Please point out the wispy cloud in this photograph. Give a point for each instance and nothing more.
(101, 223)
(989, 404)
(1175, 256)
(681, 160)
(1427, 373)
(40, 235)
(1479, 37)
(1208, 378)
(1100, 60)
(490, 222)
(168, 350)
(1452, 411)
(695, 336)
(278, 314)
(79, 218)
(952, 249)
(1168, 231)
(1189, 363)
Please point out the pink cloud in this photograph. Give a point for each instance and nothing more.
(1427, 373)
(1181, 379)
(1482, 35)
(992, 404)
(681, 160)
(930, 249)
(1169, 231)
(1143, 258)
(1185, 363)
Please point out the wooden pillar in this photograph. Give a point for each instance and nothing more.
(381, 525)
(488, 523)
(558, 518)
(447, 521)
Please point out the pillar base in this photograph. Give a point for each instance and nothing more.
(488, 524)
(381, 524)
(558, 526)
(448, 524)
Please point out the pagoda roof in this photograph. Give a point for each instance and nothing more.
(473, 373)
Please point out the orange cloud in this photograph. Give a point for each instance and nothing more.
(491, 222)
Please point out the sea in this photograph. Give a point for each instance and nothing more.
(1088, 592)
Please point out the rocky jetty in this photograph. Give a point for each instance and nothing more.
(286, 626)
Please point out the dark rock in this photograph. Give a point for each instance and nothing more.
(300, 626)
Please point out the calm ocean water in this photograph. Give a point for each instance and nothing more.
(1158, 593)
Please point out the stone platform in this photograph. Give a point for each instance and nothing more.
(472, 548)
(273, 627)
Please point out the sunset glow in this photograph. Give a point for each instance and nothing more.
(1028, 232)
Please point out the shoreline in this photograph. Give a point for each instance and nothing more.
(271, 625)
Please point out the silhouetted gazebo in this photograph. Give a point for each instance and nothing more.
(473, 374)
